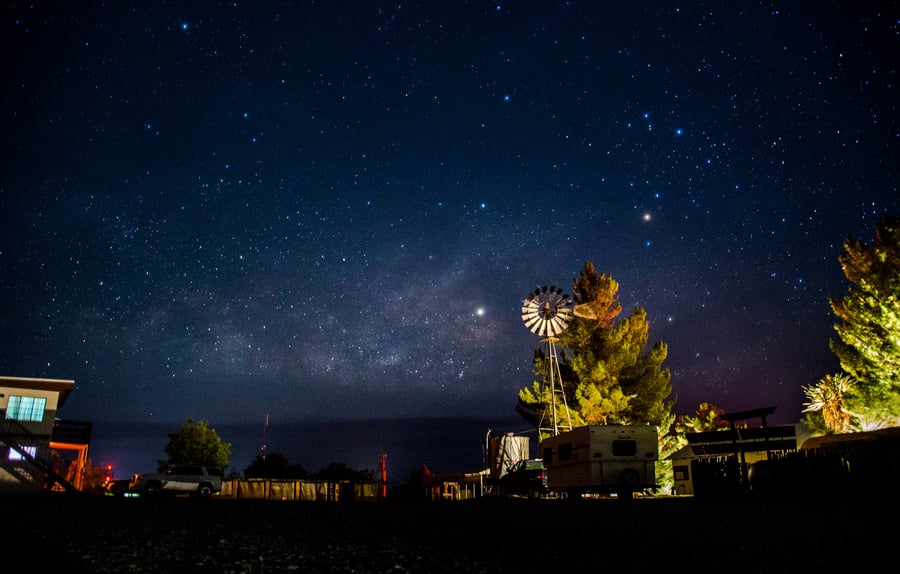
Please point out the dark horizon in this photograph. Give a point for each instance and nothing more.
(444, 444)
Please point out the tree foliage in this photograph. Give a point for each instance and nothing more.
(274, 465)
(608, 374)
(196, 443)
(93, 478)
(868, 343)
(707, 418)
(416, 488)
(827, 399)
(337, 471)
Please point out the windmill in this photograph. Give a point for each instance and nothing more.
(547, 312)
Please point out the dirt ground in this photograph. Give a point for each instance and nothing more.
(93, 534)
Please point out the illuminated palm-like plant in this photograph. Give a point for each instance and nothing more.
(708, 418)
(827, 397)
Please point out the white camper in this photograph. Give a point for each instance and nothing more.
(602, 459)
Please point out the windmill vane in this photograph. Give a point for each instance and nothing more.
(547, 311)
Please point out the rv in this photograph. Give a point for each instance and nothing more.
(602, 459)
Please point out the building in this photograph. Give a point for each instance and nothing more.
(37, 450)
(719, 462)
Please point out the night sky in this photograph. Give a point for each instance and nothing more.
(335, 209)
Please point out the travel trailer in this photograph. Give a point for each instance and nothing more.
(602, 459)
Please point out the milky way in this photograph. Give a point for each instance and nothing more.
(337, 209)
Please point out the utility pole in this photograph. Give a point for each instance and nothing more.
(383, 476)
(262, 449)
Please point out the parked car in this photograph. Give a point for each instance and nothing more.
(202, 481)
(526, 477)
(118, 488)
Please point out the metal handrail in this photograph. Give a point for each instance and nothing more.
(55, 466)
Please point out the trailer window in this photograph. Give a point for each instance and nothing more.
(624, 448)
(565, 451)
(548, 455)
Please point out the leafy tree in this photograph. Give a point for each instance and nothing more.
(274, 465)
(668, 444)
(707, 418)
(93, 478)
(608, 375)
(338, 471)
(196, 443)
(868, 344)
(415, 489)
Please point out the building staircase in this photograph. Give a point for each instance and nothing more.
(58, 472)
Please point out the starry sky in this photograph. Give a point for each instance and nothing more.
(221, 210)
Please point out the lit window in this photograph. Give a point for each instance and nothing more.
(26, 408)
(16, 455)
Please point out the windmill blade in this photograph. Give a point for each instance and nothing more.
(534, 325)
(547, 311)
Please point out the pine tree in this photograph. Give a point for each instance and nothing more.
(868, 346)
(607, 375)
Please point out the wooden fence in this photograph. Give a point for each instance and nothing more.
(301, 490)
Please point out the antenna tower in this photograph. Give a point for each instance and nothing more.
(263, 447)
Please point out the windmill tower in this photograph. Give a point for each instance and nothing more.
(547, 312)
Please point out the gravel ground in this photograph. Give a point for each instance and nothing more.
(93, 534)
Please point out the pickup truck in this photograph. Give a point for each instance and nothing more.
(526, 477)
(202, 481)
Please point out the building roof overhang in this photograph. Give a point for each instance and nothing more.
(63, 386)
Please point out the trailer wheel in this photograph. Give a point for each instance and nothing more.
(631, 477)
